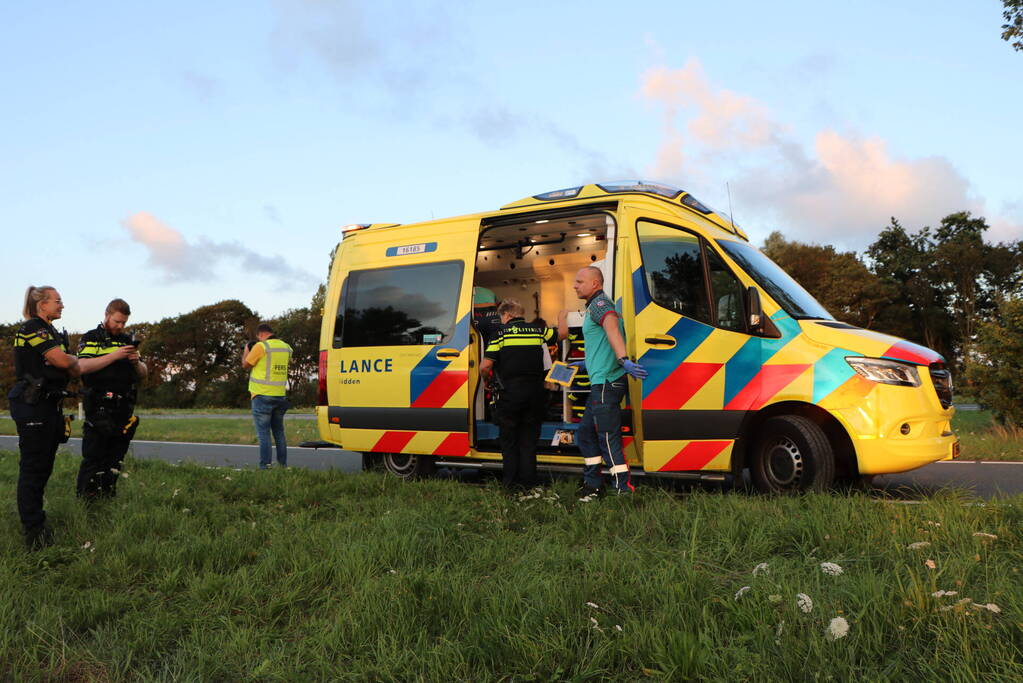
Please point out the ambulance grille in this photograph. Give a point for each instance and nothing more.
(942, 380)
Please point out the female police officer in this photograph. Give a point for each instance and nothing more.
(43, 368)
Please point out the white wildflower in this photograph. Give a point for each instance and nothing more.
(989, 537)
(944, 594)
(838, 628)
(618, 627)
(186, 510)
(989, 606)
(175, 494)
(918, 545)
(596, 625)
(117, 471)
(124, 475)
(88, 544)
(933, 523)
(392, 571)
(760, 569)
(831, 568)
(741, 592)
(593, 605)
(227, 477)
(804, 602)
(775, 598)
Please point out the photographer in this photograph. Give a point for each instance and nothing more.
(111, 369)
(43, 368)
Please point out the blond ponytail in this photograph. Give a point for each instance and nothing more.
(33, 295)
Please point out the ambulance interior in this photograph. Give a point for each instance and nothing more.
(536, 262)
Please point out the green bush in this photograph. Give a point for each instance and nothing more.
(996, 371)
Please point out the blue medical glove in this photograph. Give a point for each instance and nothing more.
(634, 369)
(581, 364)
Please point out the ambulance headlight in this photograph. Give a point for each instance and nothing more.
(884, 371)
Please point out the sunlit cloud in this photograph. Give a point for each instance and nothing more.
(844, 188)
(178, 260)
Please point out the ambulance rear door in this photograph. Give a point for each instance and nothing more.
(400, 355)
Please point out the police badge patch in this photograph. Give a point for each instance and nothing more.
(43, 334)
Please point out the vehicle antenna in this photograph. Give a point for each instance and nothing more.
(731, 215)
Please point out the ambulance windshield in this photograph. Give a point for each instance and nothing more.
(796, 301)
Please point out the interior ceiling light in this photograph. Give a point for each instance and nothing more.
(583, 234)
(542, 220)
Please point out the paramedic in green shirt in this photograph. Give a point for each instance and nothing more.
(607, 363)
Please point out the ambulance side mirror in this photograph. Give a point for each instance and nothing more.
(754, 311)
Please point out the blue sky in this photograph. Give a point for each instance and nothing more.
(176, 154)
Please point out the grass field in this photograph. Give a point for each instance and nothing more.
(202, 574)
(979, 437)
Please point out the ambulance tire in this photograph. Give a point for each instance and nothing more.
(408, 466)
(792, 455)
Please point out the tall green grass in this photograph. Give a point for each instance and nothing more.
(203, 574)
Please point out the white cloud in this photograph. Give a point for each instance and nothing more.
(844, 189)
(181, 260)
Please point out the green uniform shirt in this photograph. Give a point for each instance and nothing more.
(601, 362)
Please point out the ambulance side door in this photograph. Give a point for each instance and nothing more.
(690, 335)
(400, 355)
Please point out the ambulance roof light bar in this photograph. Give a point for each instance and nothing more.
(352, 227)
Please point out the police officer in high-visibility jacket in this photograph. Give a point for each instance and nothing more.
(43, 367)
(517, 353)
(111, 370)
(268, 360)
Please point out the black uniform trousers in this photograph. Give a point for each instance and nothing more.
(520, 408)
(39, 434)
(104, 445)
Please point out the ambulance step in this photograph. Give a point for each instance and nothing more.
(569, 469)
(318, 444)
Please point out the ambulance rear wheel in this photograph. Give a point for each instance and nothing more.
(408, 466)
(792, 454)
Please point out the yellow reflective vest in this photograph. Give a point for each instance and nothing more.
(269, 376)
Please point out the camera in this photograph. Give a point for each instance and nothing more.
(135, 341)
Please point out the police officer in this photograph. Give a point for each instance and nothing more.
(268, 361)
(517, 353)
(43, 367)
(111, 370)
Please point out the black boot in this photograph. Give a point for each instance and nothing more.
(38, 537)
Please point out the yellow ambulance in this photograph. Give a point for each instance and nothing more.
(746, 369)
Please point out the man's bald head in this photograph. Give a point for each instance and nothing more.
(588, 281)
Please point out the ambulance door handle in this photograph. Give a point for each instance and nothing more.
(660, 341)
(448, 353)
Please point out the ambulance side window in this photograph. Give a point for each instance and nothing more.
(339, 321)
(726, 293)
(400, 306)
(674, 270)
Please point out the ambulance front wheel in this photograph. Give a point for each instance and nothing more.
(792, 454)
(408, 466)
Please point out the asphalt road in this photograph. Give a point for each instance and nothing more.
(985, 479)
